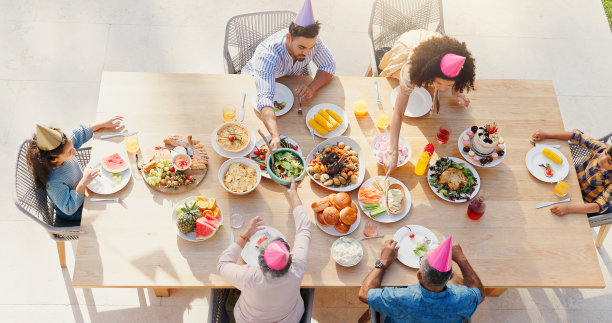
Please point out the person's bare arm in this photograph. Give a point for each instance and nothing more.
(269, 119)
(375, 276)
(470, 278)
(541, 135)
(396, 124)
(584, 208)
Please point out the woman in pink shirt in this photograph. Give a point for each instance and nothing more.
(271, 291)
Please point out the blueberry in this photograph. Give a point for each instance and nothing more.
(483, 161)
(474, 129)
(466, 149)
(500, 153)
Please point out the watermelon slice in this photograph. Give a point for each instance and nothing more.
(114, 164)
(205, 230)
(212, 220)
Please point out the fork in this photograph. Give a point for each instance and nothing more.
(300, 105)
(378, 101)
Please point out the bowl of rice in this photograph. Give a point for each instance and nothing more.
(347, 252)
(239, 175)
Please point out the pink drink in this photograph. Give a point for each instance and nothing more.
(443, 135)
(476, 208)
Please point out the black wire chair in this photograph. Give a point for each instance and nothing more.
(579, 155)
(218, 297)
(34, 202)
(243, 33)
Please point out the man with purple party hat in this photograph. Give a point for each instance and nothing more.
(432, 299)
(288, 52)
(270, 291)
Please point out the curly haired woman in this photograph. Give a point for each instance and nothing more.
(51, 157)
(421, 58)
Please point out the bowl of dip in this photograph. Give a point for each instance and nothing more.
(347, 252)
(181, 162)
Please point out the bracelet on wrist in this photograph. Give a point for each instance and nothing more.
(245, 238)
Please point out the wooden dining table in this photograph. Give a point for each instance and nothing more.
(133, 243)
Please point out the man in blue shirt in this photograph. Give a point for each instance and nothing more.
(432, 299)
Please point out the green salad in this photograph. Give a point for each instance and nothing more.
(287, 165)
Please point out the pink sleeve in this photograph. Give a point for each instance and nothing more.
(302, 240)
(229, 270)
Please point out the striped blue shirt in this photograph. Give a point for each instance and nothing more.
(272, 60)
(65, 178)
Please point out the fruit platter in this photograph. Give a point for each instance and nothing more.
(547, 164)
(171, 169)
(115, 173)
(337, 164)
(260, 152)
(336, 214)
(381, 149)
(326, 120)
(414, 241)
(196, 218)
(384, 201)
(453, 180)
(482, 146)
(250, 252)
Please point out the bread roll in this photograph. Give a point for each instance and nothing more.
(320, 218)
(354, 207)
(342, 200)
(348, 216)
(331, 198)
(331, 216)
(320, 205)
(341, 227)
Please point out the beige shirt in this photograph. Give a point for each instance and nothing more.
(264, 299)
(396, 62)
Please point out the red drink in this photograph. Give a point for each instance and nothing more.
(476, 208)
(443, 135)
(371, 229)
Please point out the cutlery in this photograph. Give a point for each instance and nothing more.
(313, 137)
(377, 94)
(374, 237)
(265, 139)
(536, 144)
(437, 102)
(300, 105)
(232, 238)
(189, 147)
(119, 135)
(551, 203)
(242, 114)
(95, 199)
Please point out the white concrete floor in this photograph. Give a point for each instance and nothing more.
(54, 51)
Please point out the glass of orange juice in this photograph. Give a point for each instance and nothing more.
(229, 113)
(383, 120)
(360, 108)
(131, 144)
(561, 189)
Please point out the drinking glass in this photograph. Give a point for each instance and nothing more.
(360, 108)
(561, 189)
(370, 229)
(443, 134)
(476, 208)
(131, 144)
(382, 121)
(236, 220)
(229, 113)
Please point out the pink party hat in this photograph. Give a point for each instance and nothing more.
(441, 257)
(451, 64)
(276, 255)
(305, 17)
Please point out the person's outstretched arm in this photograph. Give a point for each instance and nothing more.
(301, 244)
(375, 276)
(470, 278)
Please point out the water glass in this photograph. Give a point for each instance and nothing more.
(236, 220)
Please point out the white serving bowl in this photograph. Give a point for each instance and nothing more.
(244, 161)
(348, 241)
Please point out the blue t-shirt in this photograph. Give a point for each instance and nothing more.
(416, 304)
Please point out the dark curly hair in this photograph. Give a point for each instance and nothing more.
(311, 31)
(267, 271)
(41, 161)
(425, 63)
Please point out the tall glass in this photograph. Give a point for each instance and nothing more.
(561, 189)
(443, 134)
(229, 113)
(131, 144)
(476, 208)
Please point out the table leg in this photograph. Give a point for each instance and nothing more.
(601, 236)
(161, 292)
(61, 252)
(494, 292)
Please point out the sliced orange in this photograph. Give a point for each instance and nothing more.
(212, 203)
(207, 212)
(201, 198)
(216, 212)
(203, 205)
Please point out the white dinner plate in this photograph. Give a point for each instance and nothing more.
(329, 229)
(260, 143)
(250, 252)
(471, 160)
(191, 236)
(338, 131)
(104, 183)
(384, 139)
(456, 160)
(388, 217)
(354, 146)
(406, 245)
(419, 102)
(227, 154)
(535, 157)
(281, 94)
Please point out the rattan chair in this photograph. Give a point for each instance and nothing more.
(244, 32)
(217, 313)
(604, 221)
(35, 203)
(391, 18)
(376, 317)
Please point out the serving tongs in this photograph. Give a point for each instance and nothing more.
(265, 139)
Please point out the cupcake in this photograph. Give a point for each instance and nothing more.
(476, 158)
(466, 143)
(470, 133)
(501, 147)
(471, 154)
(494, 156)
(465, 137)
(501, 140)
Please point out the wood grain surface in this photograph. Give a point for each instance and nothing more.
(133, 243)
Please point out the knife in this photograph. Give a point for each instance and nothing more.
(119, 135)
(242, 114)
(545, 145)
(551, 203)
(189, 147)
(437, 102)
